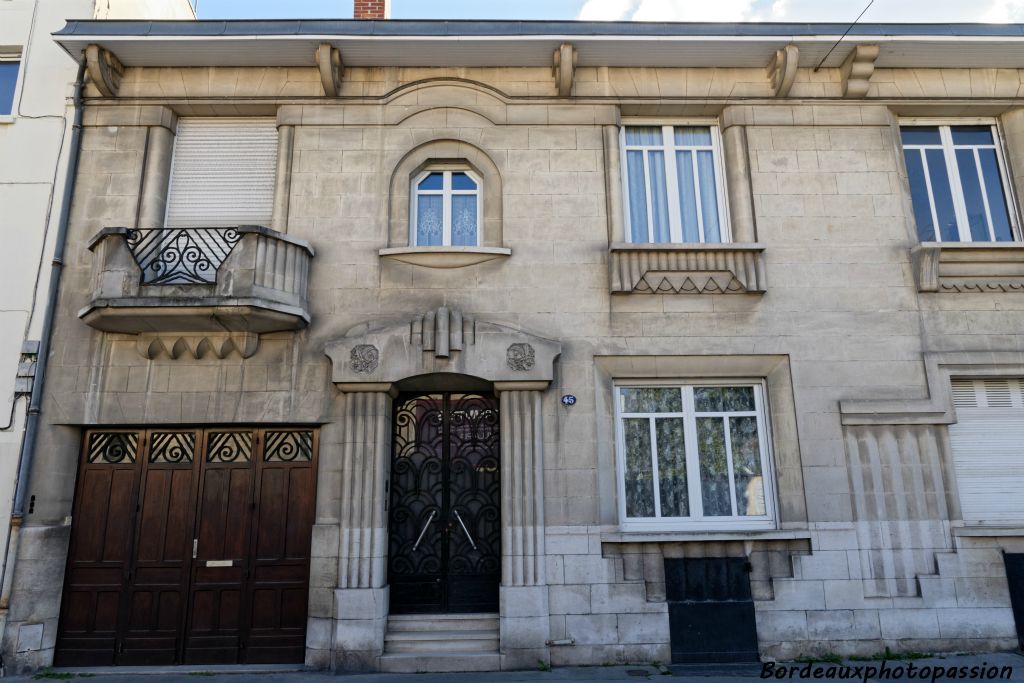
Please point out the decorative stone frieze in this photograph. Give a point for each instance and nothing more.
(564, 68)
(857, 69)
(782, 69)
(687, 268)
(259, 285)
(969, 266)
(105, 70)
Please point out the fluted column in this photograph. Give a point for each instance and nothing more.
(525, 623)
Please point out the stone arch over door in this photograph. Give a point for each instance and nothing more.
(367, 365)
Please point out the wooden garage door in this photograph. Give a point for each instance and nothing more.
(189, 546)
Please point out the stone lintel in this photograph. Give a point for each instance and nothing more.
(521, 386)
(367, 387)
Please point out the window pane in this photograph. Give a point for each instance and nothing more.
(708, 196)
(639, 482)
(996, 198)
(433, 181)
(920, 135)
(461, 181)
(971, 186)
(643, 135)
(687, 197)
(714, 469)
(8, 80)
(746, 464)
(464, 220)
(651, 400)
(693, 135)
(659, 197)
(671, 467)
(707, 399)
(919, 195)
(429, 220)
(637, 197)
(738, 399)
(972, 135)
(942, 195)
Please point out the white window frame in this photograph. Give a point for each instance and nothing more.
(669, 148)
(696, 521)
(446, 192)
(14, 55)
(953, 171)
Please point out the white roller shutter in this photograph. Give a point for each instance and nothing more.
(988, 449)
(222, 173)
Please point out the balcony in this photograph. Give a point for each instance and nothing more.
(198, 289)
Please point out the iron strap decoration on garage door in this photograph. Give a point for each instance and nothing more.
(189, 546)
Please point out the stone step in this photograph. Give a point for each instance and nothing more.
(428, 642)
(442, 622)
(440, 663)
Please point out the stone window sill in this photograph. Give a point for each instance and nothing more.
(687, 268)
(444, 257)
(6, 118)
(988, 531)
(969, 266)
(674, 536)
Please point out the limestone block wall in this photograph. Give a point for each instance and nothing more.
(870, 558)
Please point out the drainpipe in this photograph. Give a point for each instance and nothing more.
(28, 443)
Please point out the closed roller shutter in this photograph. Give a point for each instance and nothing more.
(988, 449)
(222, 173)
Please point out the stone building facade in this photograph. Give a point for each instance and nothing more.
(673, 291)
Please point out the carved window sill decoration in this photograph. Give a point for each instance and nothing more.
(198, 291)
(444, 257)
(969, 266)
(687, 268)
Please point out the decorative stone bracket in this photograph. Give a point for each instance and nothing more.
(328, 61)
(564, 68)
(260, 287)
(857, 69)
(969, 266)
(782, 69)
(105, 69)
(687, 268)
(442, 340)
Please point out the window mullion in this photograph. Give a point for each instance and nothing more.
(446, 208)
(693, 485)
(729, 467)
(675, 219)
(696, 196)
(724, 216)
(655, 476)
(648, 194)
(767, 471)
(955, 184)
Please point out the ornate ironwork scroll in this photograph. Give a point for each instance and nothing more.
(113, 448)
(172, 447)
(181, 256)
(229, 447)
(291, 446)
(445, 533)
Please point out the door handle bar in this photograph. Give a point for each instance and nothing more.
(464, 529)
(424, 530)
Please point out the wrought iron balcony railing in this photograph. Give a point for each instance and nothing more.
(199, 281)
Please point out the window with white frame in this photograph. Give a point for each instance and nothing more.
(958, 183)
(446, 209)
(673, 184)
(693, 455)
(9, 65)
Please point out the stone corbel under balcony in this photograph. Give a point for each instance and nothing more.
(198, 291)
(687, 268)
(969, 266)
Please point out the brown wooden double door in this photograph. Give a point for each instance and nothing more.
(189, 546)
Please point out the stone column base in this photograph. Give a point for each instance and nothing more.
(360, 620)
(525, 627)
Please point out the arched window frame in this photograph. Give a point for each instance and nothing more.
(446, 193)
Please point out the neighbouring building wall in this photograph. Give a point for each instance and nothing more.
(864, 556)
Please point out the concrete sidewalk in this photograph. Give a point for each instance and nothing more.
(706, 673)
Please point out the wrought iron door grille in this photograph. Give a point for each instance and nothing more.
(181, 256)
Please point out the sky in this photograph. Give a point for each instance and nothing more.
(637, 10)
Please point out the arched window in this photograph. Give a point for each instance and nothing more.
(446, 209)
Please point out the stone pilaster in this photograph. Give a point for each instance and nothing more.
(737, 171)
(283, 178)
(156, 177)
(361, 598)
(525, 625)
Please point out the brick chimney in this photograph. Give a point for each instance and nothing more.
(372, 9)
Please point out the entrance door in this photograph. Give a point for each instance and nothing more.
(445, 517)
(1015, 577)
(189, 545)
(710, 610)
